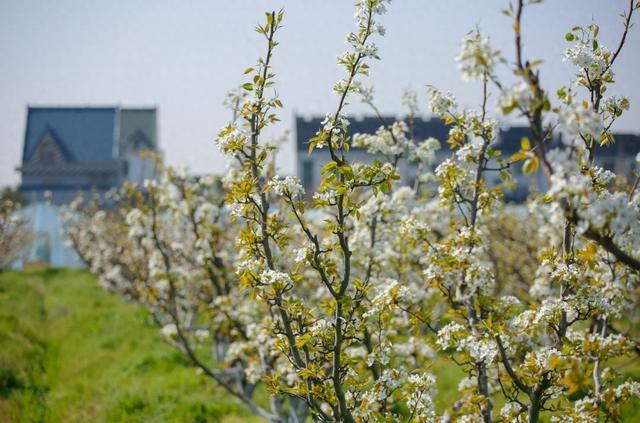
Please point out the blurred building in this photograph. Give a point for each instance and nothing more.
(620, 157)
(309, 166)
(68, 150)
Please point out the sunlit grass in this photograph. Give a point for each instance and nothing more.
(70, 352)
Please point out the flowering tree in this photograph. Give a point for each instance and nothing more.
(585, 275)
(14, 234)
(344, 300)
(171, 249)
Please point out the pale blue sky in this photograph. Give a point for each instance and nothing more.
(182, 56)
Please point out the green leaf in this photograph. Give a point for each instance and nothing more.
(535, 64)
(248, 86)
(303, 340)
(516, 157)
(561, 93)
(607, 139)
(507, 110)
(530, 165)
(327, 168)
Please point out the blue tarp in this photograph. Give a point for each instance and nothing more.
(49, 243)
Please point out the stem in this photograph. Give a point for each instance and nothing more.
(507, 365)
(481, 367)
(533, 80)
(606, 242)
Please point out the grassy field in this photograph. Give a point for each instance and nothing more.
(71, 352)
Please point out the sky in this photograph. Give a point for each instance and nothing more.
(183, 56)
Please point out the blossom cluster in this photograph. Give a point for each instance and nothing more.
(337, 303)
(476, 58)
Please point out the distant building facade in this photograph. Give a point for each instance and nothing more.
(68, 150)
(309, 166)
(619, 158)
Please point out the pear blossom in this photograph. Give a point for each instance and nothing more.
(518, 96)
(476, 58)
(581, 119)
(169, 331)
(439, 102)
(288, 186)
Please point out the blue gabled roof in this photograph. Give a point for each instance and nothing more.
(87, 134)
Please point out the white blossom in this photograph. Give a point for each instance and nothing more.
(271, 277)
(585, 57)
(517, 96)
(288, 186)
(439, 102)
(476, 58)
(169, 331)
(580, 119)
(201, 335)
(230, 138)
(425, 153)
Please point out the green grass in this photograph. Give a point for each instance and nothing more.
(70, 352)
